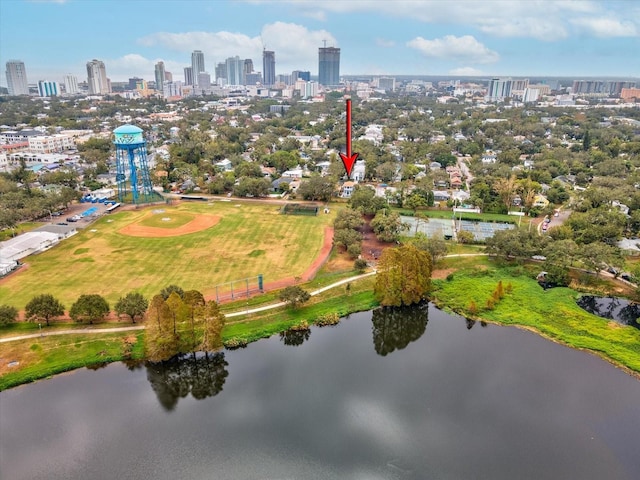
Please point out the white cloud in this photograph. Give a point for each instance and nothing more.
(466, 71)
(607, 27)
(294, 45)
(546, 20)
(462, 49)
(135, 65)
(383, 42)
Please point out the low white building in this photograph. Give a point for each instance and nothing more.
(26, 244)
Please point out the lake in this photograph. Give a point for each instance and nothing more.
(400, 394)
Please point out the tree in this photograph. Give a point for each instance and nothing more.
(91, 307)
(345, 237)
(437, 247)
(586, 141)
(414, 202)
(317, 188)
(8, 314)
(43, 307)
(214, 322)
(348, 218)
(294, 296)
(387, 226)
(365, 200)
(404, 276)
(132, 304)
(167, 291)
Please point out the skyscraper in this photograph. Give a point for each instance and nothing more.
(268, 67)
(70, 84)
(160, 76)
(97, 78)
(235, 71)
(197, 65)
(188, 75)
(221, 73)
(329, 66)
(17, 78)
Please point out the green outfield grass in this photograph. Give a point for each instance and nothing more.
(111, 264)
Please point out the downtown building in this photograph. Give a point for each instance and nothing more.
(269, 67)
(328, 66)
(160, 76)
(17, 78)
(48, 89)
(499, 89)
(197, 65)
(97, 78)
(70, 84)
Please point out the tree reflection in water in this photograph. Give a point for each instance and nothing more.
(396, 327)
(203, 375)
(294, 337)
(613, 308)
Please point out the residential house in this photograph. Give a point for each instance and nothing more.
(358, 171)
(347, 189)
(224, 165)
(540, 201)
(489, 157)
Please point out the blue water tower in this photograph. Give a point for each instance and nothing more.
(131, 158)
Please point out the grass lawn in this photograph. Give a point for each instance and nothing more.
(21, 228)
(250, 239)
(553, 313)
(41, 357)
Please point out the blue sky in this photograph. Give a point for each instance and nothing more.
(578, 38)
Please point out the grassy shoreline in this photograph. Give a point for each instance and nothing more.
(552, 314)
(46, 356)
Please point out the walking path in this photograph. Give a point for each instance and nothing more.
(141, 327)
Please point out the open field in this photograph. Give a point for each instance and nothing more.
(249, 239)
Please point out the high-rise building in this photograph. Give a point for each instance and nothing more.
(133, 83)
(248, 66)
(168, 76)
(197, 65)
(48, 89)
(17, 78)
(204, 81)
(329, 66)
(97, 78)
(253, 78)
(70, 84)
(300, 75)
(499, 89)
(221, 73)
(235, 71)
(269, 67)
(160, 76)
(188, 75)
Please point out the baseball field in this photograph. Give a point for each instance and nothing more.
(193, 245)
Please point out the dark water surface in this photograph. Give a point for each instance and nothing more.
(406, 395)
(619, 309)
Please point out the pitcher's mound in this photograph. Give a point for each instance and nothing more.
(201, 222)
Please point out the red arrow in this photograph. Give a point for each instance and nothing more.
(348, 160)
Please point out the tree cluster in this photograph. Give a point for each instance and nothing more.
(180, 323)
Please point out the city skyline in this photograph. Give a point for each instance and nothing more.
(410, 37)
